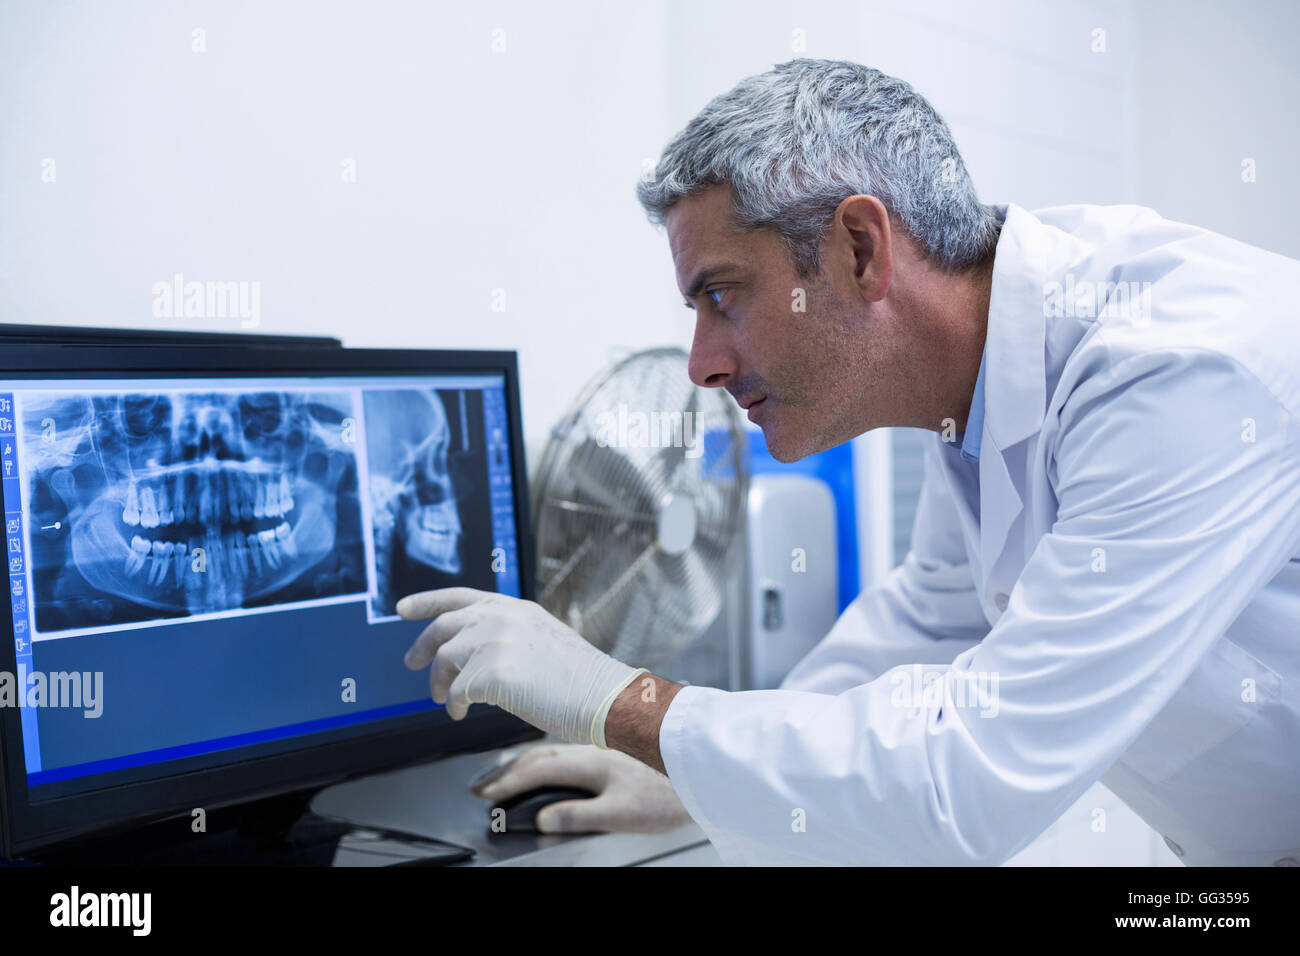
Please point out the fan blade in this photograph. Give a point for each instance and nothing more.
(607, 476)
(578, 507)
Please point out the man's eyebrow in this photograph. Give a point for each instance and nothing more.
(704, 276)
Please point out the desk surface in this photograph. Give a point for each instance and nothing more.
(434, 800)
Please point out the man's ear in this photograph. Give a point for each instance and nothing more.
(863, 227)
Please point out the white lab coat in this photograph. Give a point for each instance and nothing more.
(1112, 592)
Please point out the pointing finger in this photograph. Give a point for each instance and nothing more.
(414, 607)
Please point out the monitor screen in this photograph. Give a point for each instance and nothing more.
(204, 570)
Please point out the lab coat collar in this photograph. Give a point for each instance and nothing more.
(1015, 384)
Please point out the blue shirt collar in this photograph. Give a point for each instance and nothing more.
(970, 439)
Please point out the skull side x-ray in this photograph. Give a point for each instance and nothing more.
(169, 504)
(429, 510)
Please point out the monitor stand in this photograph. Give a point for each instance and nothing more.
(279, 831)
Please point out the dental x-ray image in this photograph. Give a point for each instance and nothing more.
(148, 506)
(430, 509)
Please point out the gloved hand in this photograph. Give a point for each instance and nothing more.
(490, 648)
(630, 797)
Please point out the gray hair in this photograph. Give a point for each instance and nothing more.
(793, 142)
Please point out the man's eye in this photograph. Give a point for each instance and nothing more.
(717, 295)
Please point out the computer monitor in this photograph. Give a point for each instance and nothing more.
(204, 547)
(24, 334)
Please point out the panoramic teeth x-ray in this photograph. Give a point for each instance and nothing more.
(170, 504)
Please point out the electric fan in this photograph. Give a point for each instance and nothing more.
(638, 502)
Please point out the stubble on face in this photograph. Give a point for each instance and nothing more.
(821, 375)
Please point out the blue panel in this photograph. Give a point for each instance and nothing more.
(835, 468)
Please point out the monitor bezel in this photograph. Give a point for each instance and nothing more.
(26, 826)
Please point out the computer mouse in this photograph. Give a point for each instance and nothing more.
(521, 809)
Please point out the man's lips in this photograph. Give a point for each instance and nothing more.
(750, 403)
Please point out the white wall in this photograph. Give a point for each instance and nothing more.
(1217, 84)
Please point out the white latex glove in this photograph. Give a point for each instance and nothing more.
(489, 648)
(630, 797)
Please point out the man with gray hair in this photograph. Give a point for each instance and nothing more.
(1104, 576)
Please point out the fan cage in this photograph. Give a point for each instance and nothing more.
(639, 436)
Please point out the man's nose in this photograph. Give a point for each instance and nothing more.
(712, 361)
